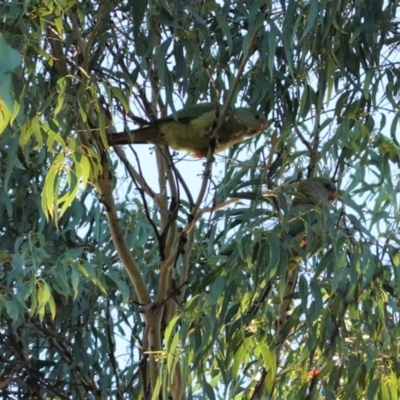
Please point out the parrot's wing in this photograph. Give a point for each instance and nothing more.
(189, 134)
(305, 227)
(173, 131)
(195, 110)
(300, 216)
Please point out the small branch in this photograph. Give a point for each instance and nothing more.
(290, 284)
(111, 349)
(161, 199)
(135, 176)
(169, 233)
(255, 305)
(314, 155)
(185, 265)
(272, 151)
(185, 187)
(303, 139)
(56, 41)
(138, 179)
(202, 192)
(217, 207)
(117, 234)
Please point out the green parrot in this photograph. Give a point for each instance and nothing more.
(191, 129)
(310, 208)
(312, 199)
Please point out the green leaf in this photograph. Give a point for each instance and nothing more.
(138, 10)
(75, 279)
(50, 193)
(223, 25)
(312, 17)
(10, 59)
(273, 35)
(120, 95)
(6, 100)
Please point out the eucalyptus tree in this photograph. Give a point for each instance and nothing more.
(126, 275)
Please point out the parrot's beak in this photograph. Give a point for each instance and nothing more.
(261, 126)
(333, 196)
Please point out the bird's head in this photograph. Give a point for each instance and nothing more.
(316, 190)
(253, 120)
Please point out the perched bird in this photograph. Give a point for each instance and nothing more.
(312, 200)
(308, 224)
(307, 220)
(317, 190)
(191, 129)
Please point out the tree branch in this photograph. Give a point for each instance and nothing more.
(105, 186)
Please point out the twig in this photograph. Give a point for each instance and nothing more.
(303, 139)
(111, 349)
(314, 154)
(135, 176)
(216, 207)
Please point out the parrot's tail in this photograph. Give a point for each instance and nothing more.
(148, 134)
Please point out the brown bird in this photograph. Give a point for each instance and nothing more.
(191, 129)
